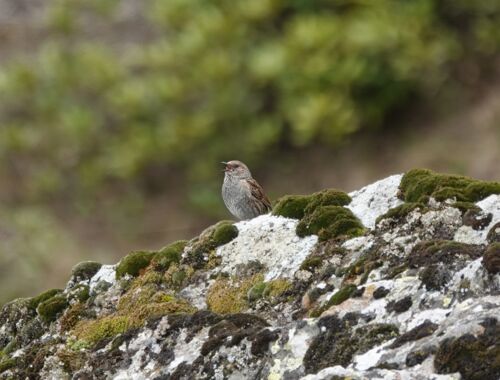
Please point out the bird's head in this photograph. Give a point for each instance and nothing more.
(236, 169)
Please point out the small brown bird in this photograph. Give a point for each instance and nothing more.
(243, 196)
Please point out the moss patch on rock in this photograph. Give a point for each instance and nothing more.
(418, 185)
(475, 357)
(330, 222)
(51, 308)
(421, 331)
(341, 295)
(338, 344)
(297, 206)
(337, 298)
(133, 263)
(134, 308)
(72, 316)
(399, 212)
(441, 251)
(291, 206)
(7, 364)
(224, 232)
(171, 254)
(80, 292)
(200, 248)
(491, 258)
(85, 270)
(90, 332)
(230, 295)
(270, 290)
(321, 214)
(35, 301)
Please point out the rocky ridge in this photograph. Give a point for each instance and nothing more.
(399, 280)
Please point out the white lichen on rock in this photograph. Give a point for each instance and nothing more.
(375, 200)
(270, 240)
(489, 205)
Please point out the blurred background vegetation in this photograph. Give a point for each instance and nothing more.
(114, 114)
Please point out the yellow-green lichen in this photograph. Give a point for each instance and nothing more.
(229, 295)
(418, 185)
(271, 290)
(134, 309)
(140, 304)
(276, 288)
(89, 332)
(49, 309)
(330, 222)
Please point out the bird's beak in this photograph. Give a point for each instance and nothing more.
(225, 166)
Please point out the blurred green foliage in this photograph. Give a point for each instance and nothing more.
(218, 79)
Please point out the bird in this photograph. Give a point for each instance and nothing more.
(242, 195)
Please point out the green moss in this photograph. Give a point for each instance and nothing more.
(178, 277)
(491, 258)
(11, 347)
(49, 309)
(133, 263)
(338, 342)
(401, 211)
(297, 206)
(201, 247)
(230, 295)
(72, 361)
(311, 263)
(169, 255)
(72, 316)
(224, 233)
(133, 310)
(146, 302)
(329, 197)
(85, 270)
(80, 292)
(276, 288)
(89, 333)
(330, 222)
(466, 206)
(35, 301)
(291, 206)
(363, 266)
(7, 364)
(475, 357)
(341, 295)
(418, 185)
(441, 251)
(256, 291)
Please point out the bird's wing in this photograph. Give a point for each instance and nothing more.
(258, 193)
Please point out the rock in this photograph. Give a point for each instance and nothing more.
(399, 279)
